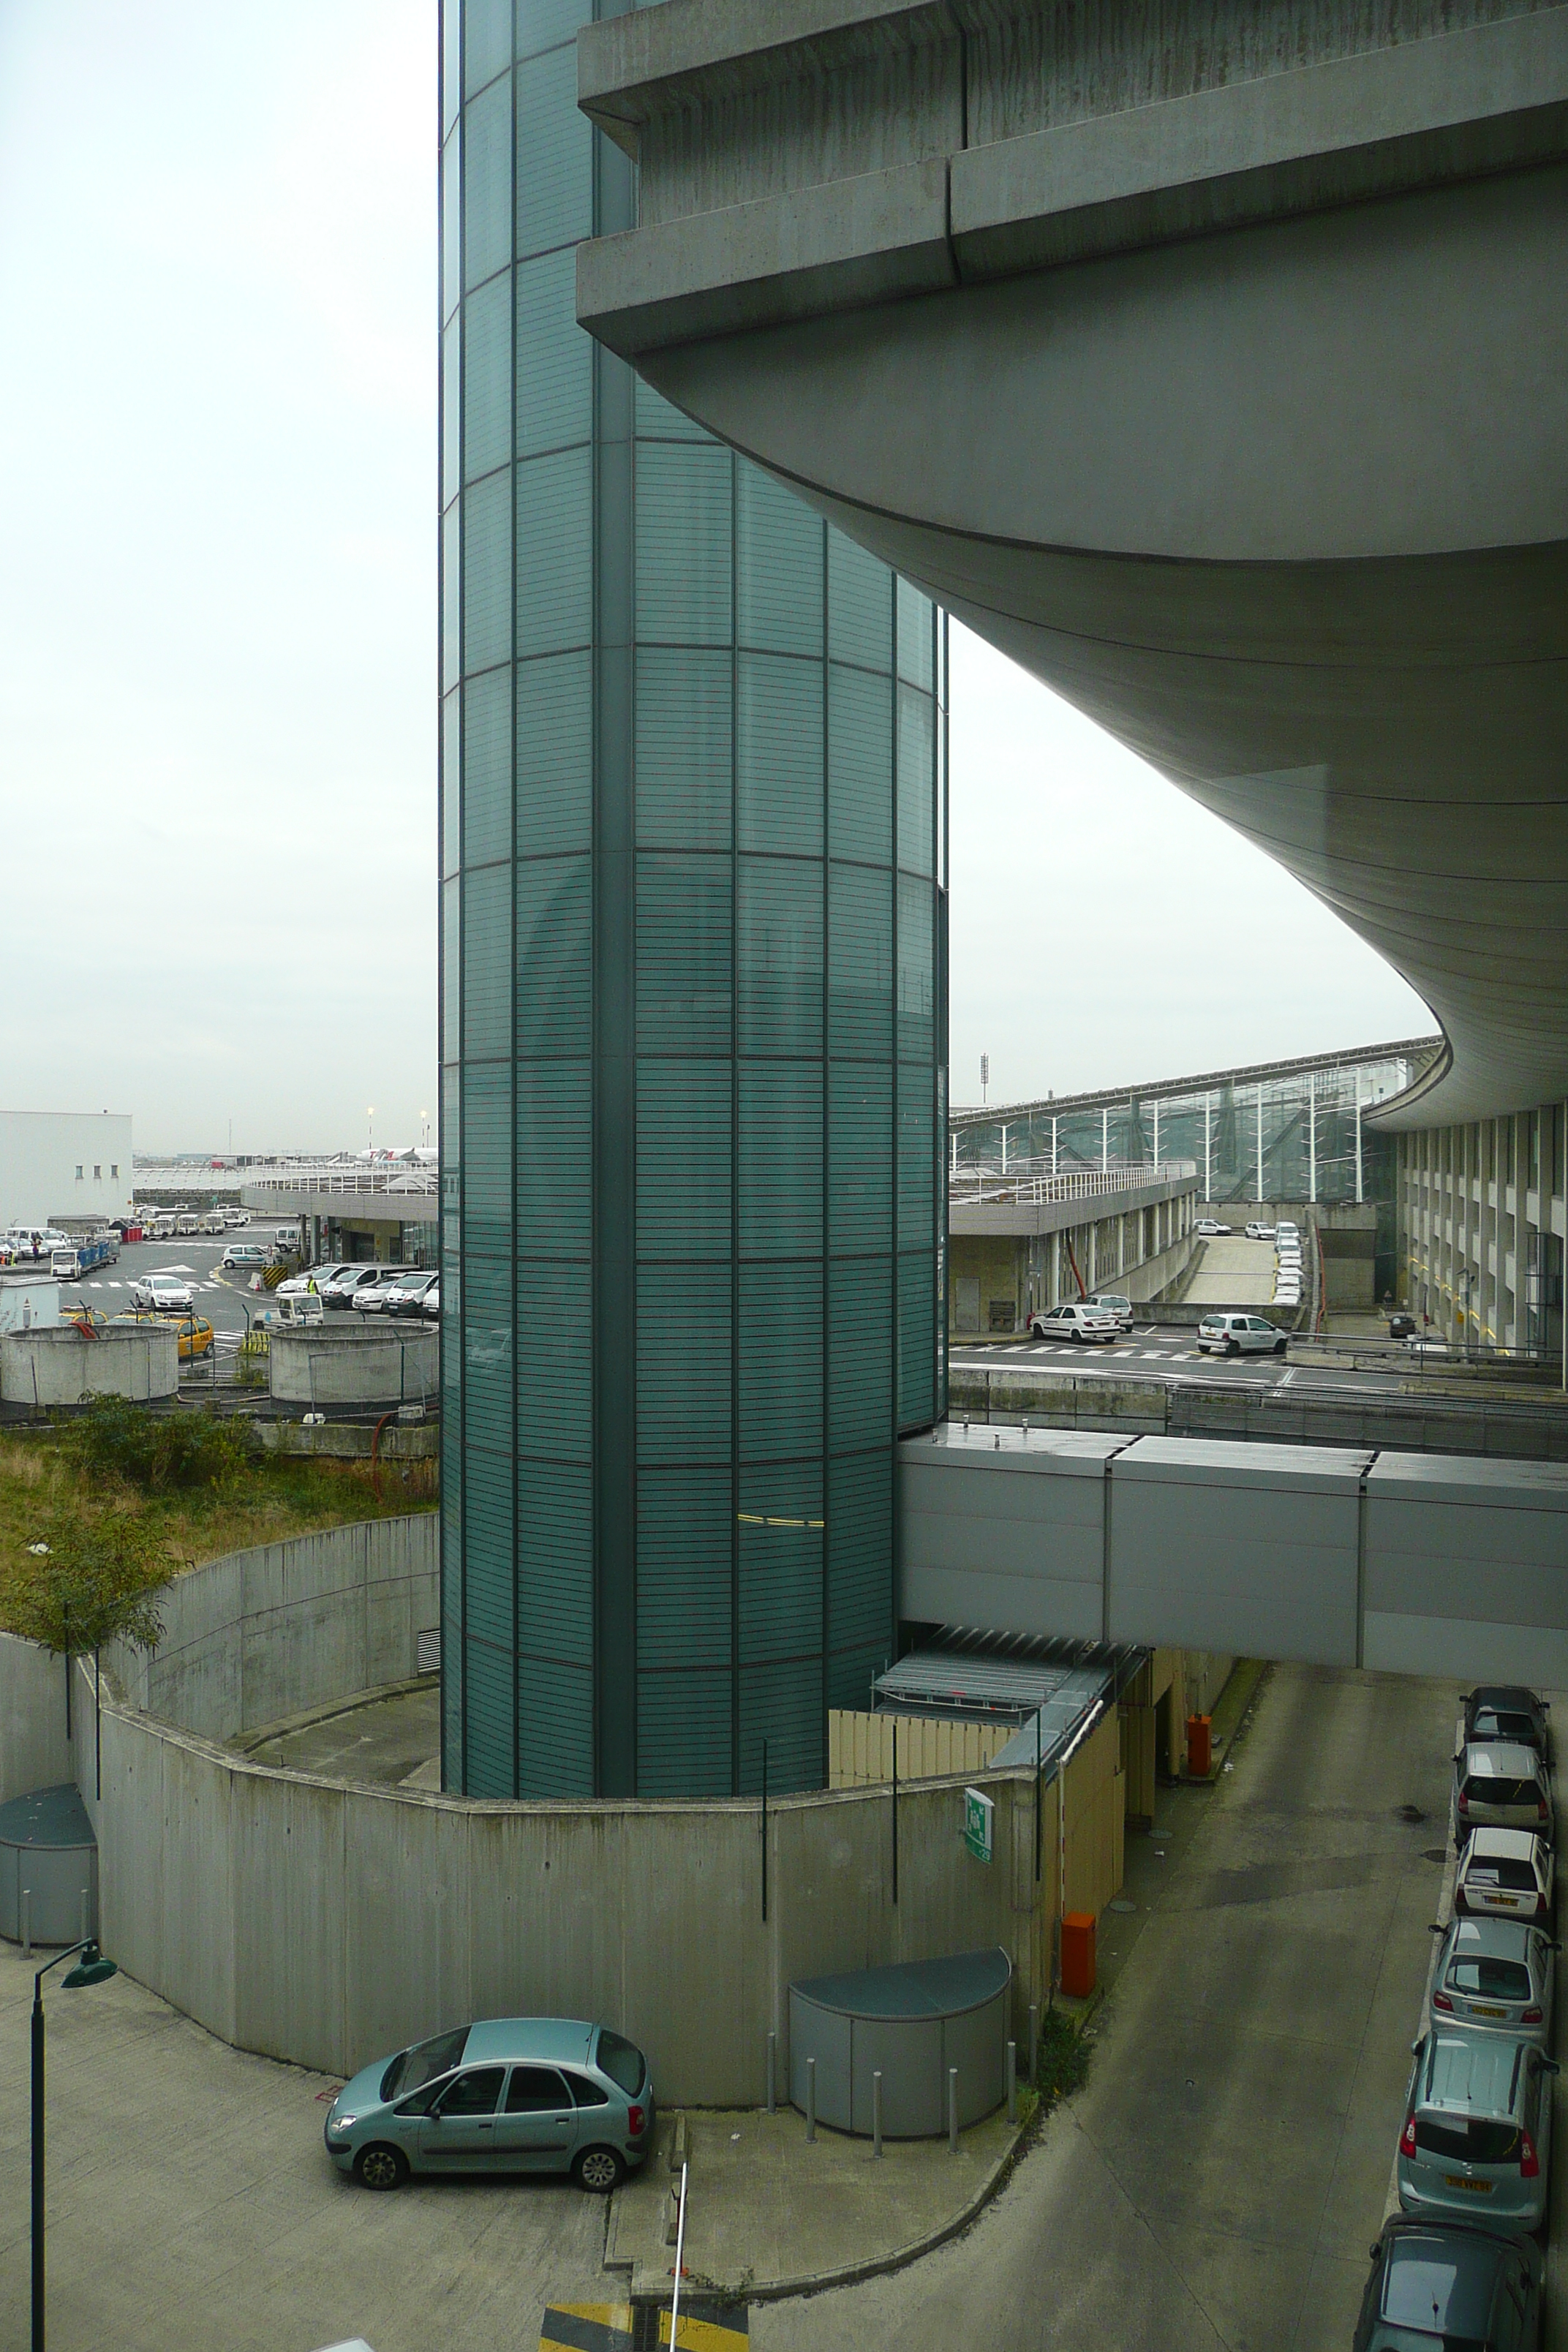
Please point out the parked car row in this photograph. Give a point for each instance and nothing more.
(1460, 2262)
(1287, 1239)
(370, 1289)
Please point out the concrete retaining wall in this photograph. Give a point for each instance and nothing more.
(34, 1750)
(271, 1632)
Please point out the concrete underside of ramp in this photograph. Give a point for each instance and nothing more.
(1418, 1563)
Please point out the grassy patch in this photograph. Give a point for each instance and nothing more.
(249, 1498)
(1061, 2065)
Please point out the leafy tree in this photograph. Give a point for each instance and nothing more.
(89, 1577)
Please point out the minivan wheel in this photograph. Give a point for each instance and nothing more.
(598, 2170)
(379, 2166)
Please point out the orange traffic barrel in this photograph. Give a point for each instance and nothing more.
(1078, 1954)
(1200, 1755)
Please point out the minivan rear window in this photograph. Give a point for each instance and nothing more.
(622, 2061)
(1474, 2139)
(1497, 1870)
(1488, 1792)
(413, 2068)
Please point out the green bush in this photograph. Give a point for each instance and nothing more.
(157, 1453)
(89, 1577)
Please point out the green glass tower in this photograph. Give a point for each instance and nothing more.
(693, 1025)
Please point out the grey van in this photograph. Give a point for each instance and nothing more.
(1478, 2130)
(508, 2095)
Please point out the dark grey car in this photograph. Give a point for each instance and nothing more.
(1446, 2283)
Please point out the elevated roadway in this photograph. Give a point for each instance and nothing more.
(1213, 363)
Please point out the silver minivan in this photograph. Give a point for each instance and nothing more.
(1499, 1786)
(1494, 1975)
(508, 2095)
(1478, 2129)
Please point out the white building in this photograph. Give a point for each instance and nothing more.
(63, 1163)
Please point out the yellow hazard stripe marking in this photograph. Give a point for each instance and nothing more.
(703, 2334)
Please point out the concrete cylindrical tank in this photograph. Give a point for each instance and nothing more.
(911, 2023)
(63, 1365)
(330, 1366)
(48, 1856)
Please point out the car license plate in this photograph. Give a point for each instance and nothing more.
(1484, 2009)
(1506, 1901)
(1476, 2188)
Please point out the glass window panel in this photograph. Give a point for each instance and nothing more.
(860, 961)
(780, 567)
(859, 1321)
(487, 768)
(487, 573)
(555, 1560)
(684, 1728)
(917, 781)
(917, 1160)
(487, 183)
(917, 1339)
(778, 744)
(451, 406)
(554, 154)
(487, 351)
(685, 1531)
(487, 1177)
(941, 745)
(554, 1159)
(451, 223)
(555, 552)
(556, 754)
(781, 1565)
(684, 1111)
(554, 956)
(554, 1729)
(779, 956)
(683, 955)
(486, 1373)
(683, 748)
(780, 1365)
(554, 1307)
(781, 1704)
(860, 765)
(860, 1157)
(451, 1130)
(655, 418)
(780, 1158)
(683, 567)
(487, 977)
(451, 780)
(451, 76)
(683, 1384)
(542, 23)
(487, 41)
(860, 1554)
(917, 637)
(451, 591)
(917, 969)
(555, 356)
(860, 604)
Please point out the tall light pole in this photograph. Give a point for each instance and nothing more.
(90, 1970)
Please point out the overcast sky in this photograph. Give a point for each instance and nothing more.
(218, 651)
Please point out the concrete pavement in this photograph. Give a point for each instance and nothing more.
(1218, 2181)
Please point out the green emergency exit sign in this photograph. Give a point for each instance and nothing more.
(979, 1813)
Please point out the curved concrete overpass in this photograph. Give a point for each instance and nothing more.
(1227, 393)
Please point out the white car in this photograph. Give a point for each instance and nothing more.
(1240, 1335)
(1114, 1304)
(1286, 1231)
(1259, 1233)
(163, 1293)
(244, 1254)
(1075, 1320)
(1505, 1873)
(1208, 1227)
(314, 1277)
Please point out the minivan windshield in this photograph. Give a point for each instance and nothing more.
(622, 2061)
(413, 2068)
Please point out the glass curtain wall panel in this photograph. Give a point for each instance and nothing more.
(693, 1025)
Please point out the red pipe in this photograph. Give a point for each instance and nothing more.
(375, 1452)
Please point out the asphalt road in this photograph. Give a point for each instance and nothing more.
(1148, 1352)
(1218, 2181)
(195, 1258)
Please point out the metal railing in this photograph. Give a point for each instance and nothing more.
(972, 1188)
(407, 1183)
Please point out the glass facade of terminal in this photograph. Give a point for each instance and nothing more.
(693, 1013)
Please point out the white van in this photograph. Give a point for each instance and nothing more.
(36, 1242)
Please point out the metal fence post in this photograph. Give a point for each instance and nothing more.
(773, 2073)
(27, 1923)
(876, 2111)
(1034, 2041)
(1012, 2081)
(953, 2111)
(811, 2098)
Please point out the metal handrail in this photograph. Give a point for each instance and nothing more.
(413, 1184)
(971, 1189)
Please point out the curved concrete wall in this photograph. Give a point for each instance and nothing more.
(355, 1365)
(62, 1365)
(325, 1922)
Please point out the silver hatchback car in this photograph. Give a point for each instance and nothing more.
(1495, 1975)
(1499, 1786)
(508, 2095)
(1478, 2129)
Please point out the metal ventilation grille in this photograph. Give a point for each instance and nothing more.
(427, 1651)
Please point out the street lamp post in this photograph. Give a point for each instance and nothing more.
(90, 1970)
